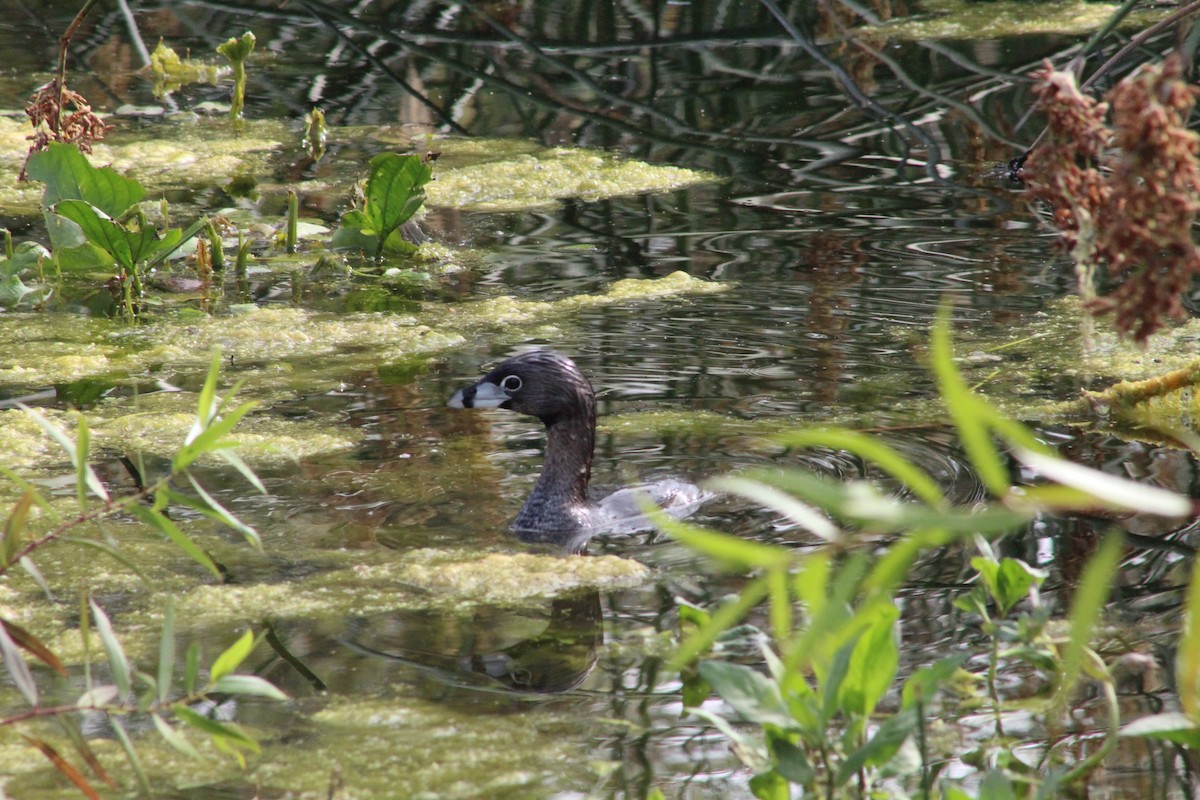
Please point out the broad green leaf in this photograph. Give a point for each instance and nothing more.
(232, 658)
(790, 761)
(770, 785)
(118, 664)
(25, 259)
(881, 747)
(248, 685)
(722, 620)
(128, 247)
(996, 786)
(16, 667)
(69, 175)
(872, 665)
(754, 696)
(394, 190)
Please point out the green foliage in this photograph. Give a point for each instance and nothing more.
(237, 51)
(131, 692)
(93, 219)
(394, 193)
(819, 704)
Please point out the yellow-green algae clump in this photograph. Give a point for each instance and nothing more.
(959, 19)
(525, 180)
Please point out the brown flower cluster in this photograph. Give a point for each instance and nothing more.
(1129, 212)
(47, 110)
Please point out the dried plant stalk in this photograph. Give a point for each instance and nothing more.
(1123, 198)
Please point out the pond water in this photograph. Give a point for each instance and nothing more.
(836, 233)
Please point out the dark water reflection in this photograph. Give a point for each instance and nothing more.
(839, 235)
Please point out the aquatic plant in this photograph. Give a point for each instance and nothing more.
(393, 194)
(110, 227)
(237, 50)
(820, 705)
(160, 697)
(1128, 213)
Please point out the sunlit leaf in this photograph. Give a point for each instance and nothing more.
(795, 511)
(117, 662)
(15, 525)
(1187, 661)
(52, 431)
(248, 685)
(1171, 726)
(873, 662)
(69, 175)
(98, 695)
(754, 696)
(1109, 491)
(730, 551)
(232, 658)
(213, 728)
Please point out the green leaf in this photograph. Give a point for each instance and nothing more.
(158, 520)
(1171, 726)
(1091, 594)
(731, 552)
(238, 49)
(1108, 491)
(722, 619)
(882, 747)
(790, 761)
(166, 651)
(84, 474)
(769, 786)
(996, 786)
(191, 667)
(14, 525)
(226, 516)
(394, 190)
(925, 682)
(751, 694)
(248, 685)
(131, 755)
(175, 738)
(780, 502)
(1187, 661)
(870, 448)
(69, 175)
(128, 247)
(872, 665)
(118, 664)
(232, 658)
(217, 730)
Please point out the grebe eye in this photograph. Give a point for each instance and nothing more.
(511, 383)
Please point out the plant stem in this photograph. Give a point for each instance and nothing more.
(63, 43)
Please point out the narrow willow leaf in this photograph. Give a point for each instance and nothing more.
(730, 551)
(248, 684)
(797, 512)
(166, 651)
(98, 696)
(53, 431)
(214, 728)
(1187, 661)
(135, 763)
(34, 646)
(227, 516)
(232, 658)
(181, 540)
(1171, 726)
(206, 401)
(117, 662)
(1091, 594)
(241, 466)
(85, 476)
(85, 751)
(33, 572)
(191, 667)
(64, 766)
(110, 551)
(871, 449)
(85, 637)
(17, 669)
(968, 411)
(175, 738)
(722, 620)
(1110, 491)
(15, 525)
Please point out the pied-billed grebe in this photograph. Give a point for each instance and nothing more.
(549, 386)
